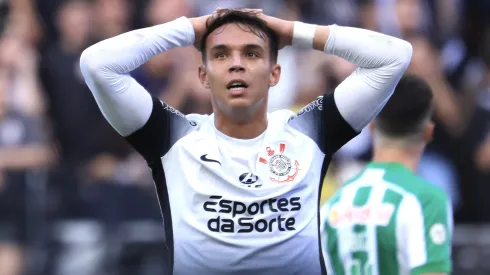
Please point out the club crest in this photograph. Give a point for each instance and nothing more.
(281, 167)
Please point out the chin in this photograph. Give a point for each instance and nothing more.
(241, 105)
(240, 102)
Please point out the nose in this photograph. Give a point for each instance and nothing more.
(236, 64)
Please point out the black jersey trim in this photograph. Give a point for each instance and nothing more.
(336, 131)
(326, 163)
(153, 139)
(163, 197)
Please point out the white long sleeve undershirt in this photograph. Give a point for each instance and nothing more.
(106, 65)
(127, 106)
(382, 61)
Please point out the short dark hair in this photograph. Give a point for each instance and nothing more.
(254, 24)
(408, 108)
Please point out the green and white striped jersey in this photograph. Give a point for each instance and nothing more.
(387, 221)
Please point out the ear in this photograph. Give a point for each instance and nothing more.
(429, 132)
(203, 76)
(275, 75)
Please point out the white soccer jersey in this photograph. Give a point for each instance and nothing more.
(241, 206)
(237, 206)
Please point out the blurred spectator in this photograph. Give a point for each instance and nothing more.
(477, 153)
(161, 11)
(79, 127)
(426, 64)
(209, 6)
(402, 17)
(21, 16)
(23, 149)
(4, 12)
(21, 63)
(111, 17)
(325, 12)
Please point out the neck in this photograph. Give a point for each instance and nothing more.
(248, 126)
(408, 156)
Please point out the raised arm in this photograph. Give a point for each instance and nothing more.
(125, 104)
(332, 120)
(381, 61)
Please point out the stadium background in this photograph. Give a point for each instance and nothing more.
(74, 199)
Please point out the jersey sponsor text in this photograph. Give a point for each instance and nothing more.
(377, 215)
(241, 218)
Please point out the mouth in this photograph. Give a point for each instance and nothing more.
(236, 86)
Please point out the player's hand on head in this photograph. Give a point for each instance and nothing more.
(200, 23)
(283, 28)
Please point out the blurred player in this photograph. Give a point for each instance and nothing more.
(239, 189)
(387, 220)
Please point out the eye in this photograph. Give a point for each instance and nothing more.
(220, 55)
(252, 54)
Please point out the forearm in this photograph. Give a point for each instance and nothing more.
(105, 66)
(381, 59)
(126, 52)
(364, 48)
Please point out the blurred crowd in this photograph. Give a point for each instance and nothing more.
(75, 199)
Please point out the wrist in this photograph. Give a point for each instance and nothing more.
(289, 31)
(182, 28)
(199, 26)
(196, 23)
(303, 35)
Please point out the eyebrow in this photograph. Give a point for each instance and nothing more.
(246, 47)
(219, 47)
(253, 47)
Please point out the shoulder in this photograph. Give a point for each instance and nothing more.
(424, 190)
(315, 105)
(424, 196)
(410, 183)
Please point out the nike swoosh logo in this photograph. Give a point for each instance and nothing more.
(204, 158)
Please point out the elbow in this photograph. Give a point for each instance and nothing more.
(90, 62)
(404, 54)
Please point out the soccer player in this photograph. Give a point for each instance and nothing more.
(387, 220)
(239, 189)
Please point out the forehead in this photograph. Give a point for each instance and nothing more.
(234, 35)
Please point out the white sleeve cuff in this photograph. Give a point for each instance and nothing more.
(331, 39)
(181, 25)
